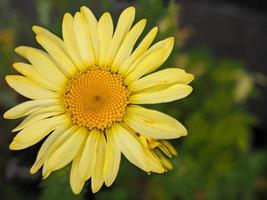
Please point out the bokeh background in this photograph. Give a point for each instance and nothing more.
(223, 43)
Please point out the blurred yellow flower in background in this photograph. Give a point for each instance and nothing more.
(85, 92)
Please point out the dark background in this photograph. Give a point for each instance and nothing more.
(233, 29)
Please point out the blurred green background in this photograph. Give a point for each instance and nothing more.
(217, 160)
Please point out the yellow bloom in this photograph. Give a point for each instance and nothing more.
(84, 93)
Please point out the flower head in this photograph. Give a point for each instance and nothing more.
(85, 93)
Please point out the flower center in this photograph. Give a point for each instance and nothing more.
(96, 98)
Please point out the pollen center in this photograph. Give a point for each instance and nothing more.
(96, 98)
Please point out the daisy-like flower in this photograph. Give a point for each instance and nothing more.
(85, 93)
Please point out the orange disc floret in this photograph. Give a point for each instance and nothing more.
(96, 98)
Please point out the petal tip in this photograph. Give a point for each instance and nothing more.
(130, 9)
(108, 183)
(33, 169)
(84, 7)
(76, 189)
(67, 14)
(15, 65)
(95, 189)
(20, 50)
(46, 174)
(184, 133)
(170, 41)
(6, 115)
(143, 21)
(14, 145)
(190, 90)
(36, 29)
(192, 77)
(106, 14)
(155, 29)
(8, 78)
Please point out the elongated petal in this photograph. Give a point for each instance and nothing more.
(33, 118)
(130, 65)
(33, 134)
(112, 160)
(46, 149)
(151, 60)
(105, 32)
(123, 26)
(170, 148)
(83, 39)
(59, 56)
(97, 176)
(66, 152)
(165, 162)
(30, 72)
(153, 162)
(44, 65)
(29, 107)
(75, 180)
(141, 48)
(129, 146)
(128, 45)
(161, 95)
(42, 31)
(153, 124)
(88, 157)
(41, 113)
(163, 77)
(28, 88)
(66, 134)
(70, 41)
(92, 27)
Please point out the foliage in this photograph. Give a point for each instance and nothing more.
(57, 187)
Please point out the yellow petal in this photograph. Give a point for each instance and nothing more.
(28, 88)
(105, 32)
(35, 117)
(67, 132)
(128, 45)
(88, 157)
(46, 149)
(59, 56)
(153, 162)
(123, 26)
(163, 77)
(141, 48)
(43, 65)
(33, 134)
(151, 60)
(75, 181)
(30, 72)
(170, 148)
(29, 107)
(162, 148)
(165, 162)
(67, 151)
(83, 39)
(97, 176)
(70, 41)
(112, 160)
(42, 31)
(129, 146)
(153, 124)
(92, 27)
(161, 94)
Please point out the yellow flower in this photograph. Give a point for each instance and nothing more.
(84, 93)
